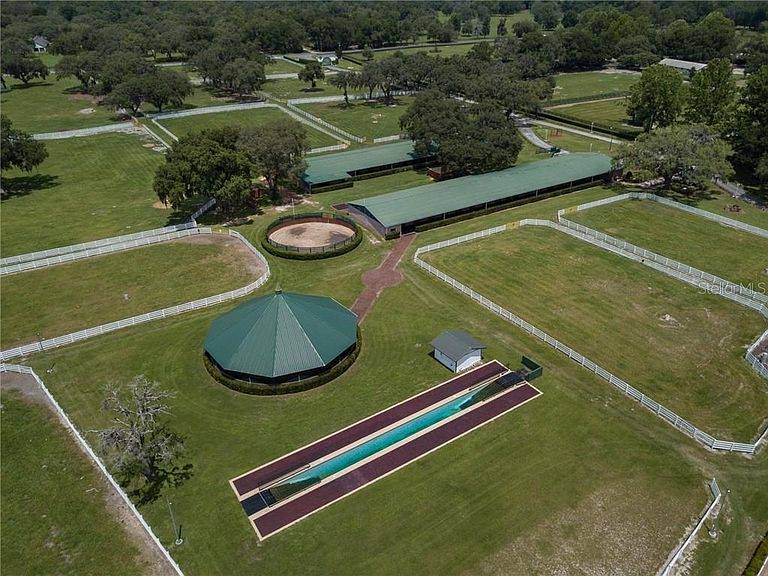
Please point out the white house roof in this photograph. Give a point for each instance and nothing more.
(683, 64)
(41, 41)
(456, 344)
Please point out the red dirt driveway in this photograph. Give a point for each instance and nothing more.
(384, 276)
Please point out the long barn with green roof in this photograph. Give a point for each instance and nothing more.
(400, 212)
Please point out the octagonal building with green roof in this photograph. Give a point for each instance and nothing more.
(281, 337)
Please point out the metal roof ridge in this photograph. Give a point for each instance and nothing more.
(303, 331)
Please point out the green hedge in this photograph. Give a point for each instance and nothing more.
(291, 255)
(590, 98)
(264, 389)
(597, 126)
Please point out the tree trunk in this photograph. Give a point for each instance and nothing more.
(346, 96)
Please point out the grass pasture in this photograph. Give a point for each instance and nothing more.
(62, 299)
(242, 118)
(373, 531)
(367, 119)
(288, 88)
(597, 84)
(53, 496)
(577, 143)
(88, 188)
(580, 481)
(681, 347)
(280, 66)
(52, 105)
(726, 252)
(606, 112)
(445, 51)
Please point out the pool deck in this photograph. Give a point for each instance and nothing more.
(269, 521)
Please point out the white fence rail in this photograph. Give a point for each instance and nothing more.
(92, 455)
(321, 122)
(669, 565)
(73, 337)
(389, 138)
(755, 361)
(655, 407)
(333, 148)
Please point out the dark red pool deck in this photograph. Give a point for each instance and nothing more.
(294, 510)
(296, 460)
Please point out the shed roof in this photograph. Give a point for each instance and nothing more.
(684, 64)
(448, 196)
(456, 344)
(41, 41)
(332, 167)
(280, 334)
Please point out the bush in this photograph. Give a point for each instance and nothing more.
(265, 389)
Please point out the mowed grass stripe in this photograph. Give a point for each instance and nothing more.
(55, 513)
(597, 84)
(606, 112)
(240, 119)
(734, 255)
(55, 301)
(682, 347)
(88, 188)
(446, 514)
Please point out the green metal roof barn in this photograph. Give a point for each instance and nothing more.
(281, 335)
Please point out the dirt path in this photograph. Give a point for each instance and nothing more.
(152, 558)
(384, 276)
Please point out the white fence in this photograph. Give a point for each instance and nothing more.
(44, 258)
(92, 455)
(333, 148)
(389, 138)
(149, 316)
(321, 122)
(669, 565)
(754, 361)
(655, 407)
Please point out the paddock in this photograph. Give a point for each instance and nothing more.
(311, 234)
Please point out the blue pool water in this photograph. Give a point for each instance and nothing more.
(366, 449)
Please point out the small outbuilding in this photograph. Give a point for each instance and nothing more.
(685, 67)
(281, 337)
(457, 350)
(41, 43)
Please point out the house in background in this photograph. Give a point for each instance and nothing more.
(41, 43)
(457, 350)
(685, 67)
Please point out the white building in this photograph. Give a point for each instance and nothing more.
(457, 350)
(683, 66)
(41, 43)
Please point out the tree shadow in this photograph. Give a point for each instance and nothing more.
(151, 490)
(23, 185)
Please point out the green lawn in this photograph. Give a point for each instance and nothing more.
(367, 119)
(444, 51)
(88, 188)
(52, 105)
(55, 518)
(577, 143)
(287, 88)
(49, 59)
(606, 112)
(282, 67)
(243, 119)
(62, 299)
(677, 345)
(597, 84)
(726, 252)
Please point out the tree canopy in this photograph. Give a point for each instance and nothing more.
(19, 149)
(658, 98)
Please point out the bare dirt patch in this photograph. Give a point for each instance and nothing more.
(152, 559)
(311, 234)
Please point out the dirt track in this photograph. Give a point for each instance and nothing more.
(311, 234)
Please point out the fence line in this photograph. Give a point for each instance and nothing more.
(668, 566)
(209, 110)
(332, 148)
(11, 264)
(388, 138)
(164, 129)
(328, 125)
(92, 455)
(646, 401)
(73, 337)
(155, 135)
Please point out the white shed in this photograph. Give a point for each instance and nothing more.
(457, 350)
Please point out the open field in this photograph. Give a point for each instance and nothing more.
(282, 67)
(597, 84)
(367, 119)
(444, 51)
(88, 188)
(243, 119)
(577, 143)
(606, 112)
(726, 252)
(287, 88)
(62, 299)
(681, 347)
(622, 473)
(53, 496)
(51, 105)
